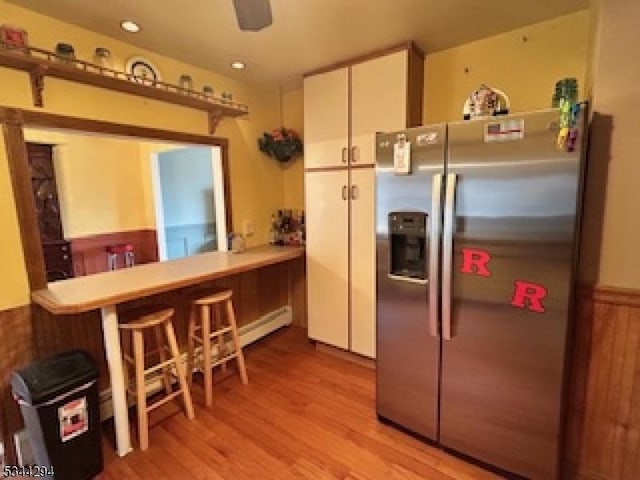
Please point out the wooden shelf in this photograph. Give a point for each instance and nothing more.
(40, 63)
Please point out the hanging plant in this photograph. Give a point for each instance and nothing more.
(283, 144)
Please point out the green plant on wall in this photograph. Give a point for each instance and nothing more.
(283, 144)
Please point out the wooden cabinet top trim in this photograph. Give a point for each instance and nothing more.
(82, 294)
(411, 46)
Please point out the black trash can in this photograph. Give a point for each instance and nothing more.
(58, 399)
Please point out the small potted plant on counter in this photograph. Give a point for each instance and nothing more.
(283, 144)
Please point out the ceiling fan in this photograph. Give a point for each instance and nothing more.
(253, 15)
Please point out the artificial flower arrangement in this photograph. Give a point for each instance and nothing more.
(281, 143)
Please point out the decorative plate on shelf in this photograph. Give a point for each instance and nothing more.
(143, 70)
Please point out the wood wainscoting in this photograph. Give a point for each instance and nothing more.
(16, 341)
(89, 254)
(603, 424)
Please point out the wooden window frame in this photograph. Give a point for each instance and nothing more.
(13, 121)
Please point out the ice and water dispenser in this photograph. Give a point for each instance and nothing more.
(408, 249)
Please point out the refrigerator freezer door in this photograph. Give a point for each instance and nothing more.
(513, 250)
(407, 354)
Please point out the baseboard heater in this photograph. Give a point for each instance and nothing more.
(249, 333)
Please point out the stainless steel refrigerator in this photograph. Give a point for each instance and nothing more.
(476, 246)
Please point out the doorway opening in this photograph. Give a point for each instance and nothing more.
(189, 200)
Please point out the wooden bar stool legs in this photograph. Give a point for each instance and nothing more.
(231, 316)
(169, 357)
(207, 333)
(222, 347)
(162, 353)
(141, 392)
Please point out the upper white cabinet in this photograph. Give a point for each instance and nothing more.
(344, 107)
(326, 119)
(378, 102)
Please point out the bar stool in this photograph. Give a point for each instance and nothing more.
(124, 249)
(200, 332)
(159, 321)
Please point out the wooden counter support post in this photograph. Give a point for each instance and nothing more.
(116, 374)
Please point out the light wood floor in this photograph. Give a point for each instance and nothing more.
(304, 415)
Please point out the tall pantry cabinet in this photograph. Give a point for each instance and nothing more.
(344, 106)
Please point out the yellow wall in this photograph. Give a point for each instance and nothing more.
(525, 71)
(13, 276)
(106, 174)
(611, 224)
(293, 116)
(98, 174)
(256, 181)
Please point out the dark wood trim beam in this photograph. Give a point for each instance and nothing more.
(50, 120)
(226, 171)
(415, 88)
(36, 77)
(25, 205)
(13, 120)
(11, 116)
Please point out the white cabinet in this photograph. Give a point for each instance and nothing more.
(343, 110)
(378, 102)
(326, 119)
(328, 256)
(363, 262)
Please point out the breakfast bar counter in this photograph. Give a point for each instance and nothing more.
(104, 291)
(82, 294)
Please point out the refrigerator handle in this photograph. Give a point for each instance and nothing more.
(434, 252)
(447, 254)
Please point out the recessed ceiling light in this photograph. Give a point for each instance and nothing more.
(130, 26)
(238, 65)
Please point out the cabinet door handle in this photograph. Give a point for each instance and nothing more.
(354, 151)
(344, 192)
(345, 156)
(354, 192)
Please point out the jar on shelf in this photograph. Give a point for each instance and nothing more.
(102, 58)
(208, 91)
(185, 82)
(65, 53)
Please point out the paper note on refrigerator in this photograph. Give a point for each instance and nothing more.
(504, 131)
(402, 157)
